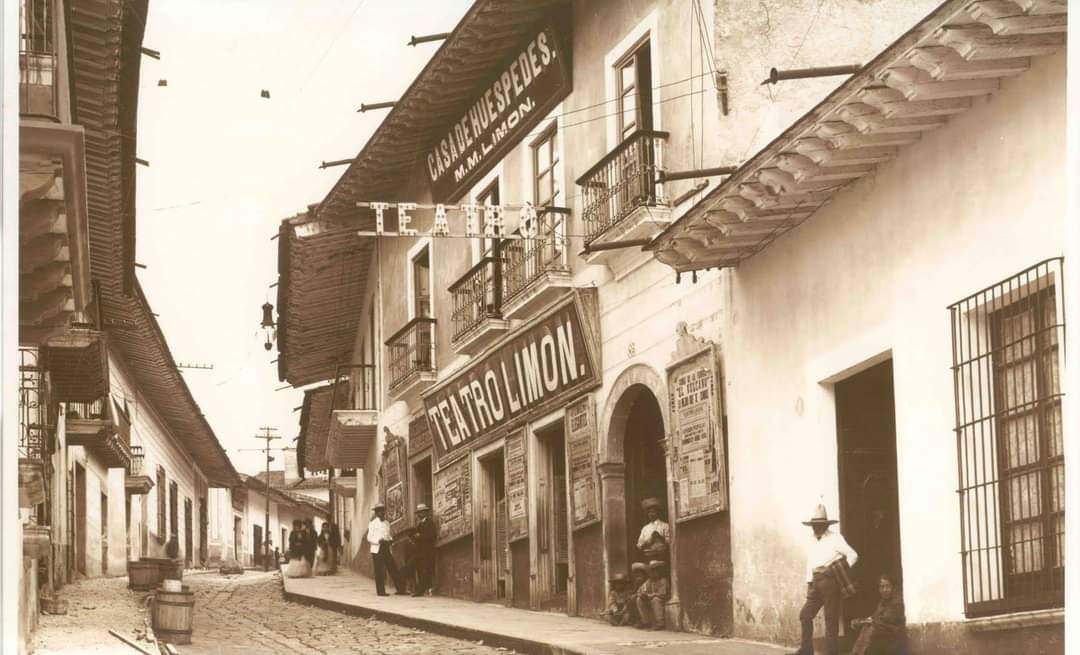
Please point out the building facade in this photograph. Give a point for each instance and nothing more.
(538, 379)
(115, 457)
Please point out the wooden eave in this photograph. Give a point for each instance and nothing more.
(314, 428)
(959, 52)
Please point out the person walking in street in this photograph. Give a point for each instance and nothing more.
(310, 543)
(424, 536)
(828, 561)
(655, 537)
(323, 556)
(380, 537)
(298, 566)
(334, 547)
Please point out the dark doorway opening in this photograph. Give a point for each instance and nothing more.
(104, 534)
(189, 549)
(646, 469)
(256, 552)
(492, 543)
(421, 479)
(553, 539)
(80, 519)
(869, 503)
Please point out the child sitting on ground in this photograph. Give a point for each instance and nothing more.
(620, 601)
(651, 597)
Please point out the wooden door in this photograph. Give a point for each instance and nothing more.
(104, 534)
(869, 505)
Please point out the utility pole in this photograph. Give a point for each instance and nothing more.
(268, 436)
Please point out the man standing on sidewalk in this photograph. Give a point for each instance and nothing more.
(828, 557)
(425, 535)
(380, 537)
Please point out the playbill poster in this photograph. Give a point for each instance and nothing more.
(581, 436)
(697, 439)
(452, 500)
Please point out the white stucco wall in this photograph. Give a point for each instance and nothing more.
(964, 208)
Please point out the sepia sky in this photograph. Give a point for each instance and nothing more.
(227, 165)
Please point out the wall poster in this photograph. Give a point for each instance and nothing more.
(697, 439)
(581, 462)
(452, 500)
(517, 485)
(392, 481)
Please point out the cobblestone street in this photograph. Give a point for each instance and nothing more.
(235, 614)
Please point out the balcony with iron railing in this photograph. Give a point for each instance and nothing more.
(536, 270)
(38, 71)
(477, 304)
(354, 416)
(36, 431)
(410, 355)
(623, 193)
(90, 425)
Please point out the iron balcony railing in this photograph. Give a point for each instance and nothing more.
(35, 428)
(627, 178)
(527, 260)
(477, 295)
(411, 350)
(136, 466)
(354, 387)
(37, 59)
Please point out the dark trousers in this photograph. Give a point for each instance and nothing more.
(822, 592)
(425, 571)
(384, 562)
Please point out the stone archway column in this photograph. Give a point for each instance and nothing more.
(613, 499)
(674, 606)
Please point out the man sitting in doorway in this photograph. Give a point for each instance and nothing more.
(652, 596)
(828, 557)
(655, 538)
(621, 601)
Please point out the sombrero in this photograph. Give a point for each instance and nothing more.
(820, 517)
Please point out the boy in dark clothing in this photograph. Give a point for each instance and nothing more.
(652, 596)
(620, 601)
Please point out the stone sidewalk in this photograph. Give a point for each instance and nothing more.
(494, 625)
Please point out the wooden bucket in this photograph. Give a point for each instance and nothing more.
(142, 576)
(172, 614)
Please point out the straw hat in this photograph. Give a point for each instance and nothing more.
(377, 506)
(656, 564)
(638, 566)
(820, 517)
(617, 577)
(422, 507)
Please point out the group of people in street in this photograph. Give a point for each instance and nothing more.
(829, 559)
(640, 600)
(418, 569)
(313, 553)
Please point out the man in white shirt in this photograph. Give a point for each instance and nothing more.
(655, 537)
(822, 586)
(379, 537)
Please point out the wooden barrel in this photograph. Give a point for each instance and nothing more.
(157, 563)
(172, 613)
(143, 575)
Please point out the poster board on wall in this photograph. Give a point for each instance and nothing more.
(697, 440)
(392, 482)
(581, 462)
(517, 485)
(452, 500)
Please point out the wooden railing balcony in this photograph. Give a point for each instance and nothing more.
(477, 295)
(38, 72)
(354, 388)
(91, 425)
(527, 261)
(626, 179)
(411, 351)
(354, 418)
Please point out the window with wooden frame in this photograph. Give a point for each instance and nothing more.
(489, 197)
(421, 271)
(1008, 345)
(161, 525)
(174, 512)
(545, 160)
(633, 86)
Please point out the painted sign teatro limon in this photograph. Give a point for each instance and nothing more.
(546, 361)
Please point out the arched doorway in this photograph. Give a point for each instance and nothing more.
(644, 461)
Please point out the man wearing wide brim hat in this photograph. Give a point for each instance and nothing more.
(655, 537)
(828, 556)
(424, 535)
(620, 607)
(379, 536)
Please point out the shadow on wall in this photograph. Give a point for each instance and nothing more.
(769, 586)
